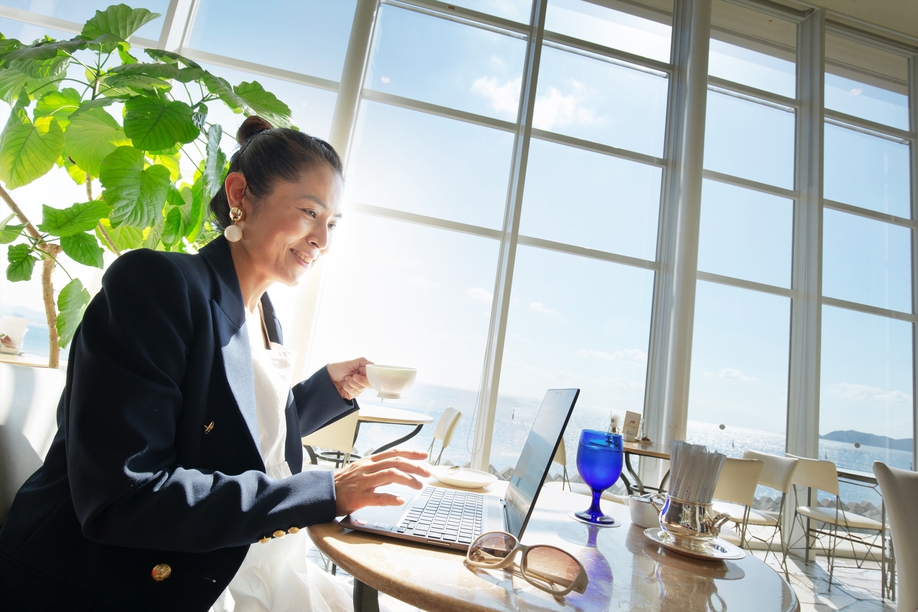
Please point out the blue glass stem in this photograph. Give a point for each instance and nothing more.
(595, 511)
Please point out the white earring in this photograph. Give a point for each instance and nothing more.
(233, 232)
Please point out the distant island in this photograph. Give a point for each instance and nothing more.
(866, 439)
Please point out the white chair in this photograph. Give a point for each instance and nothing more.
(337, 439)
(815, 474)
(28, 422)
(444, 432)
(900, 497)
(777, 474)
(561, 459)
(735, 491)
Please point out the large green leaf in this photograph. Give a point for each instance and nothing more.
(125, 85)
(28, 150)
(71, 303)
(220, 87)
(73, 220)
(40, 68)
(214, 162)
(22, 261)
(83, 248)
(196, 217)
(264, 103)
(8, 45)
(59, 104)
(124, 237)
(154, 124)
(45, 50)
(159, 70)
(171, 57)
(8, 232)
(11, 86)
(11, 83)
(91, 104)
(74, 171)
(136, 194)
(172, 162)
(91, 137)
(173, 228)
(151, 240)
(199, 116)
(120, 20)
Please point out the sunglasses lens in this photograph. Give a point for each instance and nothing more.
(554, 567)
(491, 548)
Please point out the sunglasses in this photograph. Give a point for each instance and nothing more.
(545, 567)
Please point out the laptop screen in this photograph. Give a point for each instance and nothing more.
(535, 459)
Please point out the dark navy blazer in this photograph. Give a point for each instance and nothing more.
(156, 458)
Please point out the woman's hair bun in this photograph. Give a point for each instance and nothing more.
(251, 126)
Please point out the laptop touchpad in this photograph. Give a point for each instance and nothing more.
(384, 517)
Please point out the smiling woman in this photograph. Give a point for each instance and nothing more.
(282, 194)
(157, 487)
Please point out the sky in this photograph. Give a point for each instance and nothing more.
(419, 296)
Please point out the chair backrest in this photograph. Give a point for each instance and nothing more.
(446, 426)
(900, 496)
(777, 472)
(815, 474)
(561, 454)
(339, 436)
(738, 480)
(28, 421)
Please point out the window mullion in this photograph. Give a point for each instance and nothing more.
(500, 307)
(913, 159)
(668, 369)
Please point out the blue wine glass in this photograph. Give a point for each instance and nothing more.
(599, 461)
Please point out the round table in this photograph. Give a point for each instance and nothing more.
(627, 570)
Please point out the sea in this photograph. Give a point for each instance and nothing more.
(515, 415)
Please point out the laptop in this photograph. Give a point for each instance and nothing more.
(453, 518)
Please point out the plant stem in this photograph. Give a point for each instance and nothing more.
(108, 239)
(19, 214)
(47, 294)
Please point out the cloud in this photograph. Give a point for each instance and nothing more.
(866, 393)
(730, 373)
(635, 355)
(540, 307)
(557, 109)
(420, 281)
(479, 295)
(503, 98)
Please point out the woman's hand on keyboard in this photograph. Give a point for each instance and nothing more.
(356, 483)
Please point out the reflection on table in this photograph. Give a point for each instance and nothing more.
(373, 413)
(627, 570)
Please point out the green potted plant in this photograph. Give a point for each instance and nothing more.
(112, 119)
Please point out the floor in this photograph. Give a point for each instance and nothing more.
(853, 590)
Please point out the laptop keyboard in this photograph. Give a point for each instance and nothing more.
(444, 514)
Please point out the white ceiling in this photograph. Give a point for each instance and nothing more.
(896, 15)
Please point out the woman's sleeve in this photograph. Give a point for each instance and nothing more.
(318, 402)
(124, 410)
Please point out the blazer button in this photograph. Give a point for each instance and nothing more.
(293, 530)
(160, 572)
(279, 533)
(264, 540)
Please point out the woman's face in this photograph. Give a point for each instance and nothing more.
(287, 231)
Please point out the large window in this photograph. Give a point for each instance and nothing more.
(503, 252)
(867, 408)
